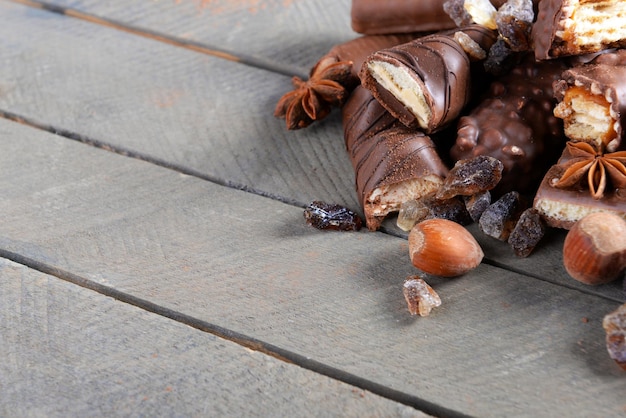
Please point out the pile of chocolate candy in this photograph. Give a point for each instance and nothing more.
(504, 113)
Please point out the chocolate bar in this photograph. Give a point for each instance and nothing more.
(592, 100)
(514, 123)
(392, 163)
(425, 83)
(401, 16)
(398, 16)
(331, 80)
(574, 27)
(569, 192)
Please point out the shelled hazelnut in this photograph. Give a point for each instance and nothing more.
(594, 250)
(443, 248)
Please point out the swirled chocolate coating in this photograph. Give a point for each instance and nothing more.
(424, 83)
(392, 163)
(514, 123)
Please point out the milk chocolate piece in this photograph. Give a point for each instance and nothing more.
(331, 80)
(592, 100)
(514, 123)
(425, 83)
(392, 163)
(561, 207)
(574, 27)
(398, 16)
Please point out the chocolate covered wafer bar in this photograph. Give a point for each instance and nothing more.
(392, 163)
(398, 16)
(592, 101)
(425, 83)
(584, 181)
(331, 80)
(574, 27)
(514, 123)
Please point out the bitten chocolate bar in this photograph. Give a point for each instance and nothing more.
(582, 182)
(331, 80)
(592, 101)
(574, 27)
(392, 163)
(425, 83)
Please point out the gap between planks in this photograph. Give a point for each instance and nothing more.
(245, 188)
(167, 39)
(236, 337)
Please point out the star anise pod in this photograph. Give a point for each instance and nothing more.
(314, 98)
(597, 167)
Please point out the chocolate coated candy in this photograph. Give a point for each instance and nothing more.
(331, 80)
(322, 215)
(392, 164)
(592, 100)
(424, 83)
(398, 16)
(514, 123)
(573, 27)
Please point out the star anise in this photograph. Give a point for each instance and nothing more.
(597, 167)
(314, 98)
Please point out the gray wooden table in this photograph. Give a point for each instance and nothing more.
(154, 260)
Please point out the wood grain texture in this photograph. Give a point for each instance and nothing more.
(501, 344)
(199, 114)
(544, 263)
(206, 115)
(293, 34)
(67, 351)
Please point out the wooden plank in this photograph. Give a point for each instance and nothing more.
(202, 114)
(291, 34)
(187, 111)
(68, 351)
(544, 263)
(501, 344)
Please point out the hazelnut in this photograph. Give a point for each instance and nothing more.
(594, 250)
(443, 248)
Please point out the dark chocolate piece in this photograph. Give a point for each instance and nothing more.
(425, 83)
(398, 16)
(573, 27)
(592, 100)
(514, 123)
(331, 80)
(392, 163)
